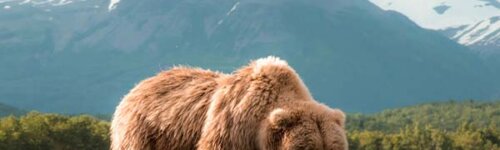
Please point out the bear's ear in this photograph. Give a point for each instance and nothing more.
(280, 118)
(339, 117)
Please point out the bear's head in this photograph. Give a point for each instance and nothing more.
(304, 126)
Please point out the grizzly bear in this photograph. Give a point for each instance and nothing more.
(264, 105)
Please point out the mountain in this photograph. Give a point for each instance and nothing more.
(83, 56)
(473, 23)
(6, 110)
(483, 35)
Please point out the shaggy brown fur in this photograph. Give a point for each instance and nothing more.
(263, 105)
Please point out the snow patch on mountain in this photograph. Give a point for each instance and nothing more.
(233, 8)
(4, 1)
(484, 32)
(473, 23)
(46, 2)
(113, 4)
(228, 13)
(38, 3)
(459, 12)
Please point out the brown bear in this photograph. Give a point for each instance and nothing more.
(264, 105)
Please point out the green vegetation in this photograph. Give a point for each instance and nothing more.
(445, 115)
(426, 137)
(452, 125)
(466, 125)
(37, 131)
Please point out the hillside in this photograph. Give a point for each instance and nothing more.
(446, 116)
(6, 110)
(83, 57)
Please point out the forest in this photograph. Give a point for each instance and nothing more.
(466, 125)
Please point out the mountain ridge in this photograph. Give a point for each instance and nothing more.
(473, 23)
(350, 53)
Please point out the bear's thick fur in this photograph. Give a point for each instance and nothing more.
(263, 105)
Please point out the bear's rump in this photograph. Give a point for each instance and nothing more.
(185, 110)
(172, 106)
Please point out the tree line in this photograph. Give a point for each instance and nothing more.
(38, 131)
(467, 125)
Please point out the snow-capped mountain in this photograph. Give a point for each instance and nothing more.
(474, 23)
(483, 35)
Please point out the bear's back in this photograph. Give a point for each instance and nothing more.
(168, 109)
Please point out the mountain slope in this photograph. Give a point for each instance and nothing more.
(6, 110)
(483, 35)
(350, 53)
(473, 23)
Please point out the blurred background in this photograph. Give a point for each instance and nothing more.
(413, 59)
